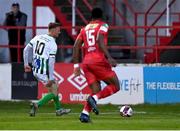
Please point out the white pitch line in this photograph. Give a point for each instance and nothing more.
(103, 113)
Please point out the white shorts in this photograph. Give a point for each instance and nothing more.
(41, 77)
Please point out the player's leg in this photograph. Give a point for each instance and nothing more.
(52, 94)
(44, 99)
(34, 106)
(111, 88)
(54, 90)
(59, 110)
(94, 85)
(84, 117)
(105, 73)
(49, 96)
(33, 110)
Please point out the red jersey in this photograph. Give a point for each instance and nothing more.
(92, 53)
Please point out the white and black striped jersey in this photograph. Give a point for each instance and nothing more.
(44, 47)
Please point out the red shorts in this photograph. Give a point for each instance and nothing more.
(97, 72)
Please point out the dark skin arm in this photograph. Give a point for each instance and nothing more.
(76, 55)
(105, 51)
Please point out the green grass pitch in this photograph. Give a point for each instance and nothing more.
(14, 115)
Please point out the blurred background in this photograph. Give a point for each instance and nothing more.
(140, 31)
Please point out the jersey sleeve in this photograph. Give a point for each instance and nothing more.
(32, 41)
(104, 29)
(53, 50)
(27, 54)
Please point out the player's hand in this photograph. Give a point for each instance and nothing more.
(27, 68)
(112, 62)
(50, 83)
(77, 71)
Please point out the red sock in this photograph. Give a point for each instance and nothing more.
(107, 91)
(87, 107)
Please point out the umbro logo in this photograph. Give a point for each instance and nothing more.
(78, 81)
(58, 78)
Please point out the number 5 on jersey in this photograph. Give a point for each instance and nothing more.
(90, 37)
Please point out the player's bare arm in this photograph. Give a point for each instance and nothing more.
(104, 49)
(76, 53)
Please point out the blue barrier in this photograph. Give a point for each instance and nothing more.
(161, 85)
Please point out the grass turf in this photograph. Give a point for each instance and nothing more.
(14, 115)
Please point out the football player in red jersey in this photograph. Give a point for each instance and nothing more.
(97, 62)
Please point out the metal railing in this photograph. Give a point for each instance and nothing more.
(130, 46)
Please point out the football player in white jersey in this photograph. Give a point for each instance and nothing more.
(44, 48)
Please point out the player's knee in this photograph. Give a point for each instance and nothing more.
(95, 87)
(115, 88)
(54, 89)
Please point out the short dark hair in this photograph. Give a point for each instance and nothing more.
(96, 13)
(15, 4)
(52, 25)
